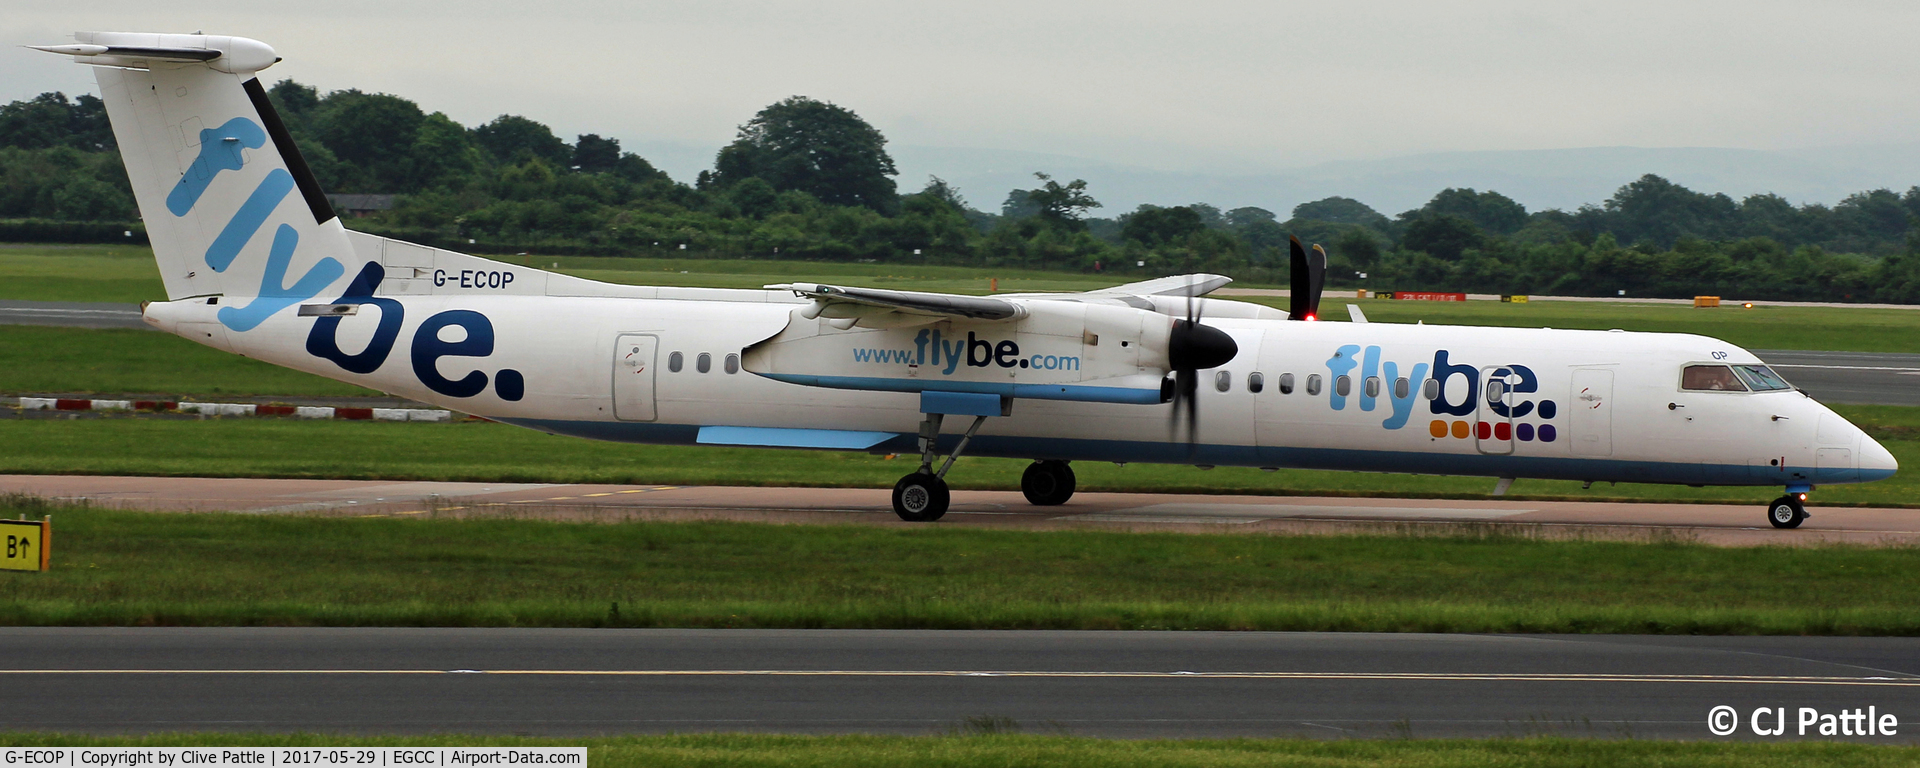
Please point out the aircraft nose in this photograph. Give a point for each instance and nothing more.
(1875, 458)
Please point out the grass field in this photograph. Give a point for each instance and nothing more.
(485, 452)
(118, 568)
(38, 360)
(962, 750)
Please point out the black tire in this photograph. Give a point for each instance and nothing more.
(1786, 512)
(920, 498)
(1047, 483)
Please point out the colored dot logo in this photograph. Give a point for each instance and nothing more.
(1500, 430)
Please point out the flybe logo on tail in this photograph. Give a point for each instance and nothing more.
(221, 150)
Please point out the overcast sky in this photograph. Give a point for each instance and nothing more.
(1204, 86)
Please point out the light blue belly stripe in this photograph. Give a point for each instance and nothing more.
(777, 437)
(1152, 452)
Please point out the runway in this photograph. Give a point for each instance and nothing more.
(1724, 524)
(75, 314)
(1850, 377)
(1112, 684)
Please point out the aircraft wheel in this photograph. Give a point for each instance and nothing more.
(1047, 483)
(1786, 512)
(920, 498)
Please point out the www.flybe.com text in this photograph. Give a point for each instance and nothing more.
(947, 356)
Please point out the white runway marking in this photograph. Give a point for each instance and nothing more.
(1245, 513)
(1184, 675)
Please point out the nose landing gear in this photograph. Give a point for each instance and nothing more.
(1788, 511)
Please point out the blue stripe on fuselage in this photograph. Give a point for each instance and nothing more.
(1151, 452)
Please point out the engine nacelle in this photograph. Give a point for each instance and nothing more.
(1057, 350)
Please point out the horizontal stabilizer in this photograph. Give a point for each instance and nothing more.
(136, 50)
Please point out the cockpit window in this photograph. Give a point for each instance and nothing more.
(1717, 378)
(1760, 378)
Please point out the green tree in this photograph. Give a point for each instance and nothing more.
(512, 139)
(374, 131)
(593, 154)
(444, 152)
(1443, 236)
(1156, 226)
(1062, 205)
(49, 120)
(1489, 210)
(1342, 210)
(816, 147)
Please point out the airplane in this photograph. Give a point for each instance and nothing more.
(255, 262)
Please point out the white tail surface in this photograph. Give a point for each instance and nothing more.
(230, 208)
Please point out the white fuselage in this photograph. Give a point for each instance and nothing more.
(1594, 405)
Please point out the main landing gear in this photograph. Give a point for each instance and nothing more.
(1788, 511)
(922, 497)
(1047, 483)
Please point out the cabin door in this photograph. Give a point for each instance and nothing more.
(633, 377)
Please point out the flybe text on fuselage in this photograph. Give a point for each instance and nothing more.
(948, 356)
(1456, 393)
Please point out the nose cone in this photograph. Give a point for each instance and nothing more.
(1876, 462)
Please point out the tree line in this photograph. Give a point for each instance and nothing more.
(810, 179)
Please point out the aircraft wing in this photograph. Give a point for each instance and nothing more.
(837, 301)
(1177, 285)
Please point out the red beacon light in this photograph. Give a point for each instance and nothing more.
(1311, 318)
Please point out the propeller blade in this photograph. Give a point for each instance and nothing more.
(1316, 279)
(1301, 283)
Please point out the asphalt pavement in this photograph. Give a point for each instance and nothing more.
(1717, 524)
(1861, 378)
(75, 314)
(1112, 684)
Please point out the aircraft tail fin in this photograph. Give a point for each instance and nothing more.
(230, 206)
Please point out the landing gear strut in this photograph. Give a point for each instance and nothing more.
(922, 497)
(1047, 483)
(1787, 511)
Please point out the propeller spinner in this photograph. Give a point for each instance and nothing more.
(1191, 348)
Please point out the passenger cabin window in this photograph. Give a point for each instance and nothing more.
(1373, 386)
(1256, 382)
(1286, 383)
(1496, 389)
(1343, 385)
(674, 361)
(1430, 389)
(703, 363)
(1760, 378)
(1401, 387)
(1223, 381)
(1710, 378)
(733, 364)
(1313, 384)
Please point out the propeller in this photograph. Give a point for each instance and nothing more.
(1309, 275)
(1191, 348)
